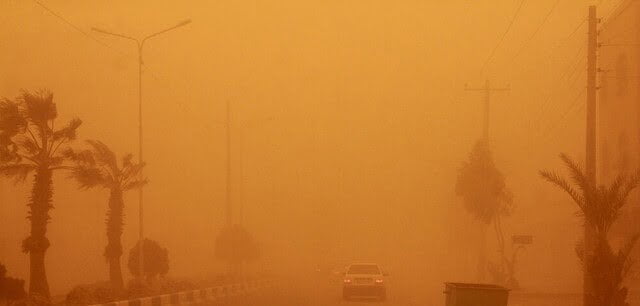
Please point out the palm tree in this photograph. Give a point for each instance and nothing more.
(98, 167)
(30, 143)
(600, 207)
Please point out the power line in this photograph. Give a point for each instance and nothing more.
(617, 34)
(70, 24)
(571, 68)
(580, 77)
(513, 19)
(571, 78)
(577, 111)
(87, 35)
(545, 108)
(565, 113)
(615, 8)
(566, 75)
(573, 32)
(544, 21)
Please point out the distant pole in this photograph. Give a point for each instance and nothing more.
(140, 161)
(592, 45)
(487, 89)
(487, 102)
(229, 212)
(241, 174)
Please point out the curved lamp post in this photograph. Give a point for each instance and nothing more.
(140, 43)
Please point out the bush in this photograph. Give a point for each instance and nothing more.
(102, 292)
(172, 285)
(235, 245)
(137, 288)
(96, 293)
(10, 288)
(156, 260)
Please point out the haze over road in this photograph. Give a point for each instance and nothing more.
(317, 292)
(326, 291)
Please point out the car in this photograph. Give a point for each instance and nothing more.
(364, 280)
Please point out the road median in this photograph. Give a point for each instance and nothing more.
(197, 295)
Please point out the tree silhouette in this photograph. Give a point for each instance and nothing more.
(98, 167)
(236, 246)
(156, 259)
(485, 196)
(482, 186)
(600, 206)
(10, 288)
(30, 143)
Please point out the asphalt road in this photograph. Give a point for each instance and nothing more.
(319, 292)
(300, 294)
(323, 291)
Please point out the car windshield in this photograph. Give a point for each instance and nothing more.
(363, 269)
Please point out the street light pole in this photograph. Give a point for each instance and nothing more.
(140, 44)
(240, 149)
(229, 217)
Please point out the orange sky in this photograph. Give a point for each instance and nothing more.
(354, 111)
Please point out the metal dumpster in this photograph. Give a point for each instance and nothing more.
(463, 294)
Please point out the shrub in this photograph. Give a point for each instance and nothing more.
(10, 288)
(96, 293)
(236, 245)
(156, 260)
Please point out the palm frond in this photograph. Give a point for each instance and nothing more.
(88, 177)
(564, 185)
(18, 172)
(28, 145)
(126, 160)
(11, 121)
(56, 161)
(135, 184)
(631, 183)
(132, 171)
(84, 157)
(68, 132)
(103, 155)
(623, 259)
(576, 173)
(8, 153)
(39, 107)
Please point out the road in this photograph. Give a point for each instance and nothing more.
(403, 289)
(322, 291)
(326, 292)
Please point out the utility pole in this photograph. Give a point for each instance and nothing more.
(241, 174)
(228, 199)
(592, 45)
(487, 89)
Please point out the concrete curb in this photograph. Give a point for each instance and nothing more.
(194, 296)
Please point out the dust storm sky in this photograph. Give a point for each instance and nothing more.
(349, 121)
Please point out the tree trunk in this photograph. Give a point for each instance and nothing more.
(482, 253)
(113, 251)
(38, 285)
(37, 243)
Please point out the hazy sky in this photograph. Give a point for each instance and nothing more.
(353, 118)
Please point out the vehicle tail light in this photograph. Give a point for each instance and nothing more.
(347, 281)
(379, 281)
